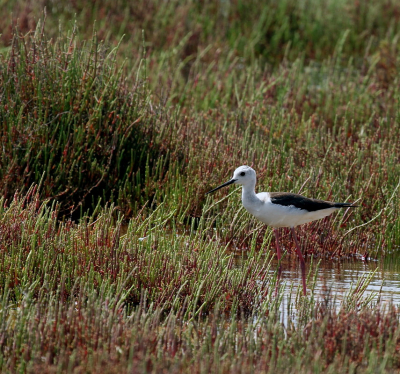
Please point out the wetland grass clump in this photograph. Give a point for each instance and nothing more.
(69, 120)
(151, 256)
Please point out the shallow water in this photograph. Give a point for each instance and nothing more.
(337, 277)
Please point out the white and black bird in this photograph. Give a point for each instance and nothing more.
(281, 209)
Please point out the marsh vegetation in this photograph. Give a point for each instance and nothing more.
(115, 121)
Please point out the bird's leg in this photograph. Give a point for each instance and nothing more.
(302, 263)
(278, 248)
(279, 256)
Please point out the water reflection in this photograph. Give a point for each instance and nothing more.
(336, 277)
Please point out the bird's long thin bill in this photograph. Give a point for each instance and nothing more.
(222, 185)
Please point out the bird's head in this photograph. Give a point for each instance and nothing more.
(243, 175)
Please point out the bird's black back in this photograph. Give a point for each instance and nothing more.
(301, 202)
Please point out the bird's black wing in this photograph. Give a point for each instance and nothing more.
(301, 202)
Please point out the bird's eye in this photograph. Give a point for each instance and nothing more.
(242, 173)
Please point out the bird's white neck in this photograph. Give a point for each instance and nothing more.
(249, 197)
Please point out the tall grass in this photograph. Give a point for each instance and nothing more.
(86, 297)
(69, 120)
(154, 129)
(274, 30)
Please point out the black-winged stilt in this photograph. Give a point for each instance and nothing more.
(281, 209)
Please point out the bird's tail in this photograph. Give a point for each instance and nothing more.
(345, 205)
